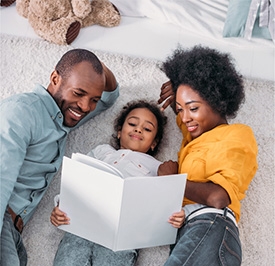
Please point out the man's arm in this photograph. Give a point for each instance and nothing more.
(14, 142)
(111, 82)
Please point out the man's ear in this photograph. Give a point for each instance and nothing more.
(118, 134)
(55, 81)
(55, 78)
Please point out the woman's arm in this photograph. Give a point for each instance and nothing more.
(209, 194)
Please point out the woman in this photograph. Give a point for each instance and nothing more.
(205, 90)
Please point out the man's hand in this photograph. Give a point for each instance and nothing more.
(168, 168)
(59, 217)
(111, 82)
(167, 96)
(177, 219)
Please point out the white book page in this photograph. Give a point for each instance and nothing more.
(147, 204)
(96, 163)
(92, 200)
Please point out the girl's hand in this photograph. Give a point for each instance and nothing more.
(177, 219)
(59, 217)
(168, 168)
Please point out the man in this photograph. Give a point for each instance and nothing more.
(34, 129)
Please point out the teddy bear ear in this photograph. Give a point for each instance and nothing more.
(6, 2)
(73, 32)
(116, 9)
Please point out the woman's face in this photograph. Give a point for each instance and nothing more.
(139, 131)
(195, 112)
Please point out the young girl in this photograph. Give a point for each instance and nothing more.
(139, 129)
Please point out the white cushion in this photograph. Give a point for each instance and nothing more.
(203, 16)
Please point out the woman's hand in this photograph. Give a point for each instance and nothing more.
(167, 96)
(168, 168)
(177, 219)
(59, 217)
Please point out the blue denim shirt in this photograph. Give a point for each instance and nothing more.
(33, 140)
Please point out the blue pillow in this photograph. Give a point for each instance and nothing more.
(235, 21)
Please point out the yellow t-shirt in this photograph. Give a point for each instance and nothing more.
(225, 155)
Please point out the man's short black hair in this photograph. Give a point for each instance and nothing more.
(74, 57)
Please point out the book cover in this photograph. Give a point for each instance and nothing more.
(118, 213)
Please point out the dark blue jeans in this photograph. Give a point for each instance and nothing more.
(13, 251)
(208, 239)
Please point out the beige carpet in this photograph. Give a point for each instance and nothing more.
(25, 62)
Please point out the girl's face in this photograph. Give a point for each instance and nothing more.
(139, 131)
(195, 112)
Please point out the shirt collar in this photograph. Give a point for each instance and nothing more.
(50, 105)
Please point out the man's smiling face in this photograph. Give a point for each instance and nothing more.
(77, 94)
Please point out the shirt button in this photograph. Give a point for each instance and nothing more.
(25, 211)
(60, 115)
(115, 162)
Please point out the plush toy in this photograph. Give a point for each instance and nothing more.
(59, 21)
(6, 2)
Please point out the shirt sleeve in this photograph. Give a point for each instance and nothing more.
(56, 200)
(237, 165)
(15, 138)
(100, 151)
(91, 153)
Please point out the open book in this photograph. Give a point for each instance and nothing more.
(118, 213)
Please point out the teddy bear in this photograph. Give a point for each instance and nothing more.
(60, 21)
